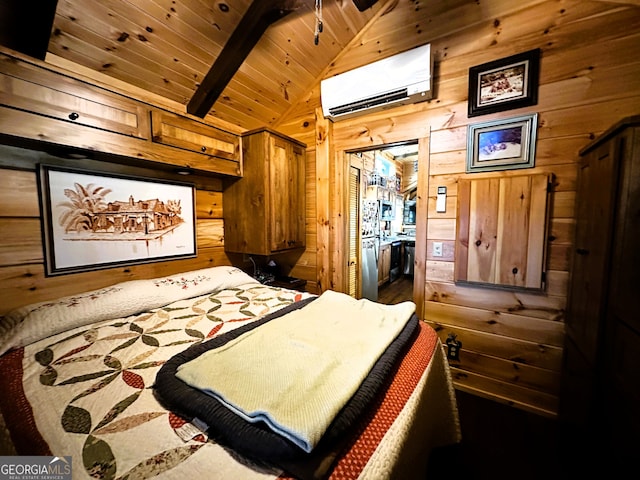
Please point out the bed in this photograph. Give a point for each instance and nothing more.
(110, 379)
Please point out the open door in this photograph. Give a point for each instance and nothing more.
(384, 176)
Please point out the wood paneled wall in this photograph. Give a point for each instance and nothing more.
(512, 341)
(590, 79)
(21, 252)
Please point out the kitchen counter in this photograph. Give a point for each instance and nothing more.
(396, 238)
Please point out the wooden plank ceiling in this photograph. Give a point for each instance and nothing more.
(168, 46)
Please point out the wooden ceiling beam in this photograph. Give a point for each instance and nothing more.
(362, 5)
(25, 26)
(260, 15)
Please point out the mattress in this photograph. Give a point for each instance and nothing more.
(79, 375)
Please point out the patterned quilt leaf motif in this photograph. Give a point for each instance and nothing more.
(71, 353)
(133, 379)
(214, 330)
(112, 362)
(76, 420)
(49, 376)
(173, 309)
(87, 334)
(217, 303)
(119, 336)
(128, 423)
(118, 408)
(156, 363)
(167, 330)
(194, 333)
(84, 358)
(96, 386)
(156, 327)
(188, 316)
(135, 361)
(214, 318)
(245, 311)
(145, 316)
(195, 320)
(91, 335)
(151, 341)
(44, 357)
(195, 307)
(179, 342)
(126, 344)
(161, 462)
(135, 328)
(118, 324)
(86, 377)
(98, 459)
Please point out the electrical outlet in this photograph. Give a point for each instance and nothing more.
(437, 249)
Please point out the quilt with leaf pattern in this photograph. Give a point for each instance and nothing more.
(77, 377)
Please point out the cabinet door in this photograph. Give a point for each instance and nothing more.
(502, 227)
(182, 132)
(594, 217)
(287, 195)
(33, 89)
(625, 263)
(384, 264)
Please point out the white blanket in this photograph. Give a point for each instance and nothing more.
(297, 371)
(34, 322)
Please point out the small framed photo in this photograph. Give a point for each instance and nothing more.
(504, 84)
(504, 144)
(95, 220)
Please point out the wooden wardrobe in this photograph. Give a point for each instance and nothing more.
(601, 379)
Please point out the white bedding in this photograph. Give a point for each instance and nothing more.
(34, 322)
(295, 379)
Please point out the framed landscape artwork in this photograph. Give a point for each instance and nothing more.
(504, 84)
(94, 220)
(503, 144)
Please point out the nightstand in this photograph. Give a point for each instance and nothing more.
(288, 282)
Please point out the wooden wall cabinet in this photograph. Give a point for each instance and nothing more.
(601, 372)
(264, 211)
(176, 131)
(502, 230)
(27, 87)
(39, 104)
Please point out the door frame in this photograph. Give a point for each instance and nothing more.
(343, 158)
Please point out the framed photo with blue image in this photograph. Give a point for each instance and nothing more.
(503, 144)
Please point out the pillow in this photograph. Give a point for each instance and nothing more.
(34, 322)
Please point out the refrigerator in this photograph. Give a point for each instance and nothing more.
(370, 249)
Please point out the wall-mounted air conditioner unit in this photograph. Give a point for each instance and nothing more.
(398, 80)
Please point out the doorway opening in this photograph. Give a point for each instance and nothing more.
(382, 222)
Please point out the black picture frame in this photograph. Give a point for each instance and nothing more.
(96, 220)
(504, 84)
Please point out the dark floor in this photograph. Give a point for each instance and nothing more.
(501, 442)
(397, 291)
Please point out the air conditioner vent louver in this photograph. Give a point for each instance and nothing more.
(371, 102)
(396, 80)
